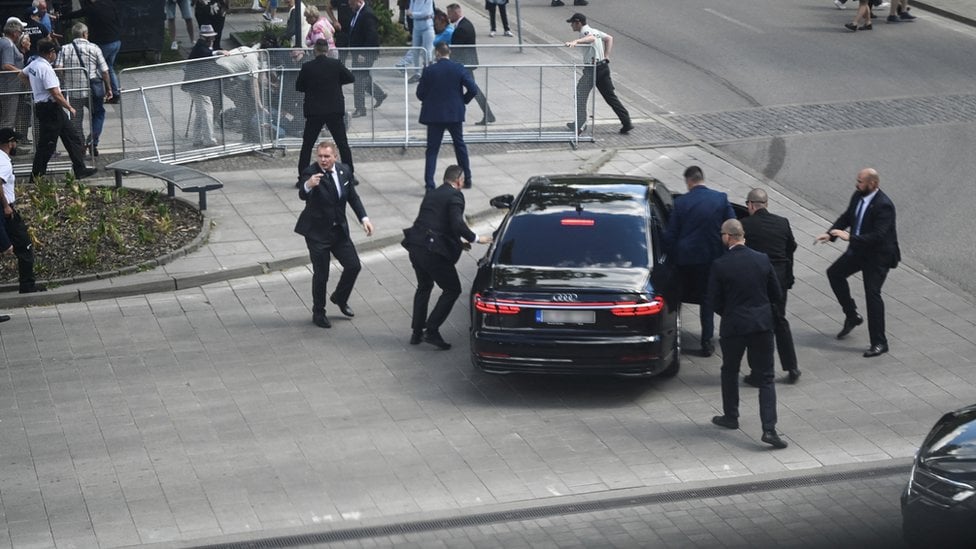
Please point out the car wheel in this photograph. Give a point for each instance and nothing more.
(675, 365)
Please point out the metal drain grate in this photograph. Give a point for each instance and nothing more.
(531, 513)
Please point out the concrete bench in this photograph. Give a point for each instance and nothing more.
(187, 179)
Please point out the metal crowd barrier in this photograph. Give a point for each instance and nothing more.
(17, 111)
(255, 105)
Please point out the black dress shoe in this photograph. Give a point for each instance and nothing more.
(772, 439)
(626, 129)
(851, 26)
(752, 380)
(726, 421)
(321, 321)
(416, 337)
(344, 308)
(4, 318)
(86, 172)
(707, 348)
(849, 324)
(794, 375)
(358, 113)
(466, 185)
(865, 27)
(379, 101)
(876, 350)
(34, 289)
(436, 340)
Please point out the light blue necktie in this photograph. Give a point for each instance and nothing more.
(860, 217)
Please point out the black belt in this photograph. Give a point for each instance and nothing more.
(46, 103)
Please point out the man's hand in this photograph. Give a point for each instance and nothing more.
(485, 239)
(8, 211)
(822, 238)
(368, 227)
(843, 235)
(313, 181)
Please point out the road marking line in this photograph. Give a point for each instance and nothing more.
(736, 21)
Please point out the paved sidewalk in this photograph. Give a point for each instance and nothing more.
(205, 406)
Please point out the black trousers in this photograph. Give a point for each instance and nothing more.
(310, 138)
(604, 84)
(759, 346)
(364, 85)
(433, 269)
(784, 336)
(482, 100)
(874, 276)
(345, 253)
(23, 249)
(53, 123)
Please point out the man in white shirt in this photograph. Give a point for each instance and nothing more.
(600, 44)
(52, 121)
(14, 236)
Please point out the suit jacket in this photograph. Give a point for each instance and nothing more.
(741, 287)
(771, 234)
(463, 43)
(440, 225)
(321, 80)
(878, 241)
(444, 89)
(324, 216)
(364, 34)
(693, 236)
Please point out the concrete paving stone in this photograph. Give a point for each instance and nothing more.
(30, 534)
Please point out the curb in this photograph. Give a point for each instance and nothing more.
(944, 13)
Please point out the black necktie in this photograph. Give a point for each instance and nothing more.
(328, 173)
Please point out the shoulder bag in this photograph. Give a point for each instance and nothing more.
(96, 85)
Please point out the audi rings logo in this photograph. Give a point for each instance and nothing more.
(565, 298)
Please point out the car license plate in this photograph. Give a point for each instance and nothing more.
(549, 316)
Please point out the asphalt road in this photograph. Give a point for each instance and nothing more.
(897, 99)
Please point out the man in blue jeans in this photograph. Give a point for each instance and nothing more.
(422, 13)
(105, 31)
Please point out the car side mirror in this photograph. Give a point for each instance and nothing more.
(502, 201)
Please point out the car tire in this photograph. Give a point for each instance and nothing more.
(675, 365)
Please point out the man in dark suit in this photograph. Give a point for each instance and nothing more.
(742, 287)
(434, 243)
(771, 234)
(692, 243)
(326, 188)
(466, 53)
(321, 80)
(869, 225)
(444, 89)
(363, 34)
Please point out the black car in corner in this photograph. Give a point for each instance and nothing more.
(938, 506)
(567, 287)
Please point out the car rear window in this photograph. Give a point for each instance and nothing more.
(575, 240)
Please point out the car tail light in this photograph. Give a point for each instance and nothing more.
(493, 307)
(633, 308)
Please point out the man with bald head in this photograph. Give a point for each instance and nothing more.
(771, 234)
(868, 225)
(742, 286)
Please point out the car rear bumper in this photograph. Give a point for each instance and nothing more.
(503, 353)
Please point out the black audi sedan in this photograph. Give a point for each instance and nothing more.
(938, 506)
(567, 287)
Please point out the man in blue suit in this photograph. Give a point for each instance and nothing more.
(692, 242)
(742, 287)
(445, 88)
